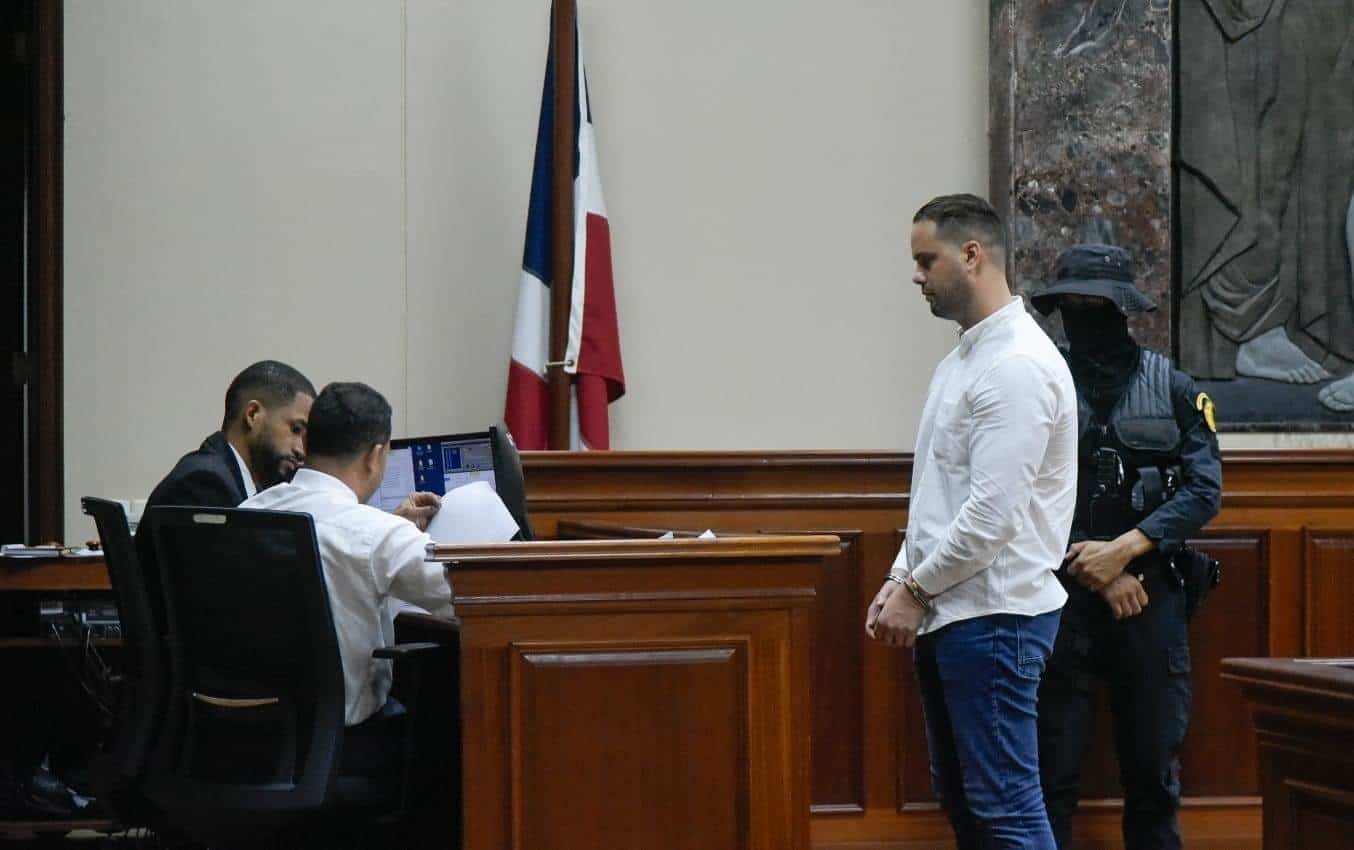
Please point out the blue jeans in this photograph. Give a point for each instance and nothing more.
(979, 683)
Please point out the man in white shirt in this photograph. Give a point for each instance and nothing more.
(368, 555)
(993, 492)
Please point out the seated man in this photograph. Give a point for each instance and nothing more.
(261, 441)
(368, 555)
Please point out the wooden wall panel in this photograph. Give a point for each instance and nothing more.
(838, 769)
(1286, 590)
(837, 714)
(1330, 588)
(681, 739)
(1219, 753)
(913, 763)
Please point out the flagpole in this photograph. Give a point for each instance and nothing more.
(560, 382)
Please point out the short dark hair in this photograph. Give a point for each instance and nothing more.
(268, 381)
(959, 218)
(346, 420)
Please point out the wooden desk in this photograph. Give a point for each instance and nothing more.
(1304, 722)
(53, 574)
(636, 693)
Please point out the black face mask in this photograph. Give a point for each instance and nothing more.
(1095, 331)
(1104, 356)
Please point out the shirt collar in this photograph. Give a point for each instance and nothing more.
(249, 488)
(971, 337)
(314, 480)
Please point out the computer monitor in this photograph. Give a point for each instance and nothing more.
(439, 464)
(512, 486)
(434, 465)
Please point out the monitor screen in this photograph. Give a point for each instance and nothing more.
(434, 465)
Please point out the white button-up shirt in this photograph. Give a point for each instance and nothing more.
(249, 488)
(994, 474)
(368, 556)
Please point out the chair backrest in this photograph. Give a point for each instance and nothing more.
(509, 481)
(142, 693)
(255, 709)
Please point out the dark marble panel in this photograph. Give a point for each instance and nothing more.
(1095, 102)
(1081, 137)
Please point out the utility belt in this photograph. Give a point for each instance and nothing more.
(1115, 507)
(1194, 572)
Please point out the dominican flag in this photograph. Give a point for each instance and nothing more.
(593, 356)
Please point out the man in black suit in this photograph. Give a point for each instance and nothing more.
(261, 441)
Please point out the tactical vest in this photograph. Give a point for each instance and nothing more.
(1142, 426)
(1143, 431)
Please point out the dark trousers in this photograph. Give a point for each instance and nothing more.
(1145, 662)
(374, 746)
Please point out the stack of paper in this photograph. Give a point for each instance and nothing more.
(19, 550)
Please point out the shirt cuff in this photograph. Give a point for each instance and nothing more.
(926, 578)
(899, 564)
(1157, 535)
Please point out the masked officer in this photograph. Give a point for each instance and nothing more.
(1150, 477)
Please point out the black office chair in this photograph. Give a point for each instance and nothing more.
(509, 482)
(116, 772)
(253, 733)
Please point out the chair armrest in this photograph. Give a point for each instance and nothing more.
(428, 623)
(403, 651)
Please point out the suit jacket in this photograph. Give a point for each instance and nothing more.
(209, 477)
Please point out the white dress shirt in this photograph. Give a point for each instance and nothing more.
(368, 557)
(249, 488)
(994, 474)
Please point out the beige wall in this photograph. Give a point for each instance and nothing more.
(761, 161)
(343, 185)
(233, 190)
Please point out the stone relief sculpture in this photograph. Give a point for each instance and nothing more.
(1266, 192)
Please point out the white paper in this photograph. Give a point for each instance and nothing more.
(472, 514)
(707, 534)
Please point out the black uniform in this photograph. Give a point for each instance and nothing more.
(1161, 432)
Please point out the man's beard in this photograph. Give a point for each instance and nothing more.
(275, 466)
(949, 306)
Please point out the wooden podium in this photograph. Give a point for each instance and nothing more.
(645, 693)
(1304, 721)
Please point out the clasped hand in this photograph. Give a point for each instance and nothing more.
(1098, 566)
(894, 616)
(1096, 563)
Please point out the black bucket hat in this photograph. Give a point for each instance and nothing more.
(1105, 271)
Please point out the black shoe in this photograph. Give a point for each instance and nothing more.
(45, 795)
